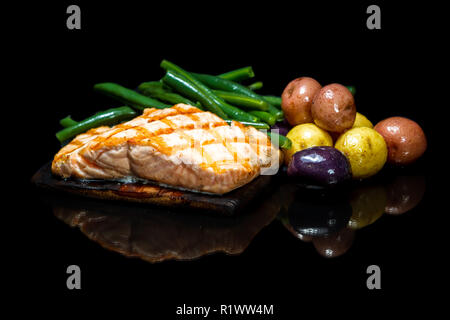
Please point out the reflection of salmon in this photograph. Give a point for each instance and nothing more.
(154, 235)
(180, 146)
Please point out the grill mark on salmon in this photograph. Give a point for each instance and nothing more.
(180, 146)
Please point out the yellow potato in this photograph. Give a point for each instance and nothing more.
(305, 136)
(365, 149)
(362, 121)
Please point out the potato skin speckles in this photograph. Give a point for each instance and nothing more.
(297, 98)
(405, 139)
(333, 108)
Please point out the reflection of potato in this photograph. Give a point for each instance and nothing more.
(336, 244)
(368, 205)
(296, 234)
(404, 193)
(319, 212)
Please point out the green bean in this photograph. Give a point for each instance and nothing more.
(257, 125)
(255, 86)
(273, 100)
(157, 90)
(352, 89)
(229, 110)
(128, 96)
(226, 85)
(238, 74)
(280, 140)
(67, 122)
(238, 114)
(241, 100)
(188, 83)
(181, 84)
(264, 116)
(276, 112)
(107, 117)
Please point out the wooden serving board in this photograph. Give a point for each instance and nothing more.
(227, 204)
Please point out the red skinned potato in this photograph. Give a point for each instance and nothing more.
(333, 108)
(297, 98)
(405, 139)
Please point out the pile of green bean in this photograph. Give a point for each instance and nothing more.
(223, 94)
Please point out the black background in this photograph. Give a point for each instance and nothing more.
(125, 42)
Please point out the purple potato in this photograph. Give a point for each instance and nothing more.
(283, 126)
(323, 165)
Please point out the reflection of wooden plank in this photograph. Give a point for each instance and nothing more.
(161, 233)
(227, 204)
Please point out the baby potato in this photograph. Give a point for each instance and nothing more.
(405, 139)
(305, 136)
(297, 98)
(362, 121)
(365, 149)
(333, 108)
(324, 166)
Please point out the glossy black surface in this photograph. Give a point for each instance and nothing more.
(318, 213)
(157, 234)
(326, 217)
(55, 70)
(329, 217)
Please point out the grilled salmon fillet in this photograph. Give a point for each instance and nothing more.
(180, 146)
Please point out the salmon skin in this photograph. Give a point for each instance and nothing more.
(180, 146)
